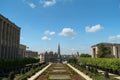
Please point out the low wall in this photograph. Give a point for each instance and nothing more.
(38, 73)
(80, 73)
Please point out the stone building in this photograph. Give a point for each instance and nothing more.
(22, 50)
(9, 39)
(30, 53)
(65, 58)
(42, 57)
(51, 57)
(115, 49)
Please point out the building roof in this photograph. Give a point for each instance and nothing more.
(105, 43)
(9, 21)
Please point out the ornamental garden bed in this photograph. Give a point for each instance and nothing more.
(56, 77)
(59, 72)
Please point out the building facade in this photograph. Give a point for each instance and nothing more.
(30, 53)
(22, 51)
(51, 57)
(115, 49)
(42, 57)
(9, 39)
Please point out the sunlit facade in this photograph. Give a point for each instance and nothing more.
(9, 39)
(115, 49)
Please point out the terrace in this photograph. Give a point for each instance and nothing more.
(59, 72)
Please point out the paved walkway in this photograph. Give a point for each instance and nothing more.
(37, 74)
(76, 70)
(80, 73)
(57, 68)
(60, 72)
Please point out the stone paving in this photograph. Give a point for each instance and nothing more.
(59, 72)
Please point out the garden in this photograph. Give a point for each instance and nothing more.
(93, 66)
(59, 72)
(19, 69)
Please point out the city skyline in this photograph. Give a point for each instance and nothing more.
(75, 24)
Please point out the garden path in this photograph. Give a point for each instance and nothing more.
(60, 72)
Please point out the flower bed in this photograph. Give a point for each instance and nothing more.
(57, 77)
(59, 72)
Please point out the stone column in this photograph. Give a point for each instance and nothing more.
(1, 26)
(114, 51)
(18, 41)
(12, 42)
(10, 51)
(8, 40)
(93, 52)
(5, 50)
(15, 42)
(3, 40)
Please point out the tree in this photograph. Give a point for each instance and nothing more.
(73, 60)
(104, 51)
(85, 55)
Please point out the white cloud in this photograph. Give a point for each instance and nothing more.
(32, 5)
(67, 32)
(46, 38)
(73, 49)
(95, 28)
(47, 3)
(114, 38)
(49, 32)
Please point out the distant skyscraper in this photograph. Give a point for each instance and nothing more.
(59, 55)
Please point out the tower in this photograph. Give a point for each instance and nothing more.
(59, 55)
(58, 50)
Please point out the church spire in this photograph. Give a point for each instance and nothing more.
(59, 55)
(58, 49)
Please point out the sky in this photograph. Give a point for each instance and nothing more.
(75, 24)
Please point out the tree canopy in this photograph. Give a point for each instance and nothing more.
(85, 55)
(104, 51)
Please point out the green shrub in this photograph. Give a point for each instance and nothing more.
(95, 71)
(5, 79)
(22, 71)
(106, 74)
(11, 76)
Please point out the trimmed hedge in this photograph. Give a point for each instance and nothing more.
(106, 63)
(11, 63)
(29, 73)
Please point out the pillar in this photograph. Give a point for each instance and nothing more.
(114, 51)
(1, 26)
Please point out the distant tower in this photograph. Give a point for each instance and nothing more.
(59, 55)
(58, 49)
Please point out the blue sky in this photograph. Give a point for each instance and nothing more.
(75, 24)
